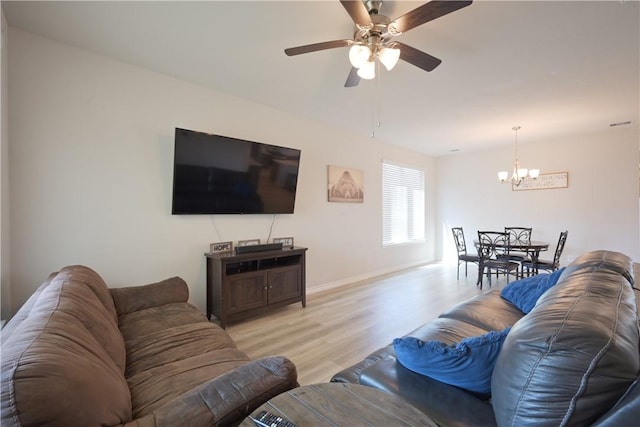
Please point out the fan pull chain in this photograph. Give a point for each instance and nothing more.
(378, 84)
(375, 105)
(373, 112)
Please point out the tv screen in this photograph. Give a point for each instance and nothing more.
(215, 174)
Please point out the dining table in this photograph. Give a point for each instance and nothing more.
(531, 248)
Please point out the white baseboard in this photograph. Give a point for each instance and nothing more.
(360, 278)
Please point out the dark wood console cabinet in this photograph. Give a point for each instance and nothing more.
(241, 285)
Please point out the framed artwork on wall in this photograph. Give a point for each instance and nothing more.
(545, 181)
(345, 185)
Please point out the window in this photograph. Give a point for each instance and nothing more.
(402, 204)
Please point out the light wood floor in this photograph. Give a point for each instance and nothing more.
(338, 328)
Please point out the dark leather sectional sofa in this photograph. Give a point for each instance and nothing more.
(574, 360)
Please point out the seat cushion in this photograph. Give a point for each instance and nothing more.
(173, 344)
(430, 396)
(154, 387)
(171, 349)
(487, 311)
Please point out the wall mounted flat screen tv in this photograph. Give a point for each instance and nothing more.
(216, 174)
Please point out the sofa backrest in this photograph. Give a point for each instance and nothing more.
(63, 357)
(575, 354)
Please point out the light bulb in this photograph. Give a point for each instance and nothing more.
(367, 71)
(534, 173)
(389, 57)
(503, 175)
(359, 55)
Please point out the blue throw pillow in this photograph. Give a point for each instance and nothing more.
(468, 364)
(524, 293)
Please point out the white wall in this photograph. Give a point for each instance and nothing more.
(599, 208)
(5, 286)
(91, 168)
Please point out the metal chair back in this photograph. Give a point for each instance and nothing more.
(493, 244)
(559, 248)
(458, 237)
(519, 235)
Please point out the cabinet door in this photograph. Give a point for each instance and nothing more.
(284, 284)
(247, 291)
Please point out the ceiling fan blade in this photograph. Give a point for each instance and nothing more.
(317, 46)
(417, 57)
(425, 13)
(353, 79)
(358, 12)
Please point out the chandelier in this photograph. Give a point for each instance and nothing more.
(519, 174)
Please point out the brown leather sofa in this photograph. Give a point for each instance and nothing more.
(80, 354)
(574, 360)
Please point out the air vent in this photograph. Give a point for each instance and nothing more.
(628, 122)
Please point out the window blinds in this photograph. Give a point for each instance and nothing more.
(402, 204)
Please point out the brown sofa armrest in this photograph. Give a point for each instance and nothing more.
(134, 298)
(227, 399)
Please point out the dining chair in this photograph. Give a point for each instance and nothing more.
(519, 236)
(546, 265)
(463, 256)
(493, 251)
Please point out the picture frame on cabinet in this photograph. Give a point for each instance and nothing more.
(220, 247)
(287, 242)
(250, 242)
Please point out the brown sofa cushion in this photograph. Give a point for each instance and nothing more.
(63, 362)
(25, 310)
(227, 399)
(154, 387)
(170, 350)
(134, 298)
(159, 335)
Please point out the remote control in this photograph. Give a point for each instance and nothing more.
(267, 419)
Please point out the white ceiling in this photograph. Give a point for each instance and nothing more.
(554, 67)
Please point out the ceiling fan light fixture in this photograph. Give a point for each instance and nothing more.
(389, 57)
(367, 71)
(372, 39)
(359, 55)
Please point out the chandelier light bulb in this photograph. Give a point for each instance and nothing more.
(359, 55)
(389, 57)
(503, 175)
(534, 173)
(367, 71)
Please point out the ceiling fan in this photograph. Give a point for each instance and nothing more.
(373, 37)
